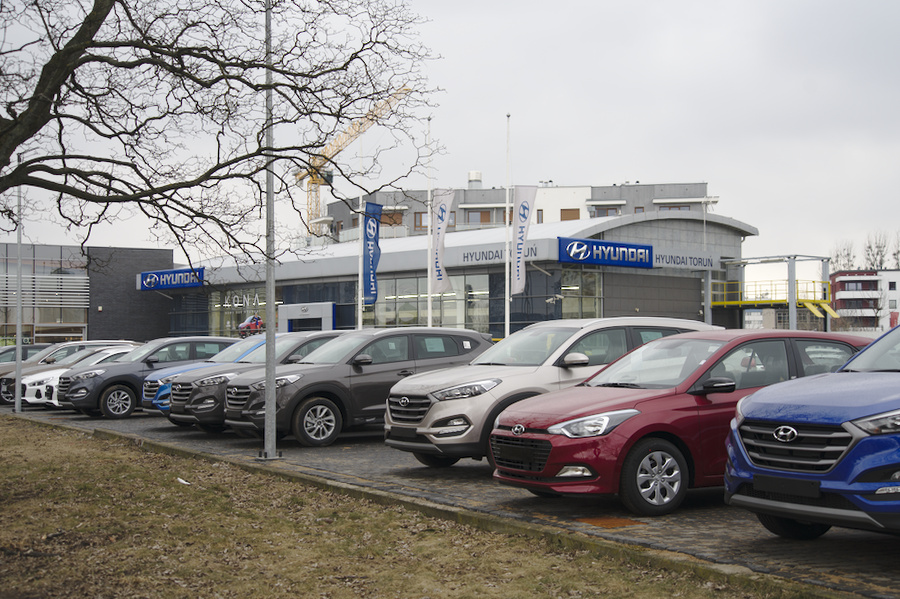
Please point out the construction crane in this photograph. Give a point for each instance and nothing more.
(315, 176)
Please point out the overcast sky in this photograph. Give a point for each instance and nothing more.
(787, 109)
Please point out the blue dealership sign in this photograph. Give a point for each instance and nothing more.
(608, 253)
(170, 279)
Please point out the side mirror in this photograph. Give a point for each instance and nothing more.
(151, 360)
(294, 359)
(716, 384)
(575, 359)
(362, 360)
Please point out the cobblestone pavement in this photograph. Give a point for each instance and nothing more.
(843, 560)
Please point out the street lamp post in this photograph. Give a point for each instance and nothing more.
(18, 391)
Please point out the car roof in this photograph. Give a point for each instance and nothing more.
(729, 335)
(632, 321)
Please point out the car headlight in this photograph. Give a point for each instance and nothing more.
(592, 426)
(87, 375)
(466, 390)
(279, 382)
(880, 424)
(218, 379)
(167, 379)
(38, 383)
(739, 411)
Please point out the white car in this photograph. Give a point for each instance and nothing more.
(444, 415)
(39, 388)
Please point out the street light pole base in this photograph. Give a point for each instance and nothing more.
(265, 457)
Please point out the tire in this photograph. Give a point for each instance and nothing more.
(435, 461)
(317, 422)
(118, 401)
(792, 529)
(654, 478)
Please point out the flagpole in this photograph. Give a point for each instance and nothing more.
(362, 248)
(430, 213)
(507, 220)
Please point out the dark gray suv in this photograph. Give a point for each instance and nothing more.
(346, 382)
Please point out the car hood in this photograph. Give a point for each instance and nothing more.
(827, 399)
(215, 369)
(546, 410)
(42, 374)
(435, 380)
(174, 370)
(255, 375)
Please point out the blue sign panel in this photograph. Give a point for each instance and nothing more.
(171, 279)
(592, 251)
(371, 252)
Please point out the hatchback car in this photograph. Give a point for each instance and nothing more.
(824, 451)
(446, 415)
(39, 386)
(198, 396)
(113, 389)
(653, 423)
(346, 382)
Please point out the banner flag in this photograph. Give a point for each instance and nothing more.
(442, 205)
(371, 252)
(521, 218)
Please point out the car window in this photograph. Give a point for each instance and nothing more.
(646, 335)
(389, 349)
(206, 349)
(818, 356)
(309, 346)
(435, 346)
(62, 353)
(602, 347)
(174, 353)
(528, 347)
(754, 364)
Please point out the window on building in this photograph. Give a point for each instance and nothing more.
(674, 207)
(638, 209)
(420, 220)
(391, 218)
(540, 216)
(892, 285)
(892, 304)
(477, 217)
(599, 211)
(569, 214)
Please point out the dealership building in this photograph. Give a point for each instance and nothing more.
(630, 249)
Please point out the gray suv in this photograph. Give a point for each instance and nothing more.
(443, 416)
(346, 382)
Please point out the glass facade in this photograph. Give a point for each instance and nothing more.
(476, 301)
(55, 293)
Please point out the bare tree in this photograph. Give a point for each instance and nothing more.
(895, 251)
(158, 106)
(875, 252)
(843, 256)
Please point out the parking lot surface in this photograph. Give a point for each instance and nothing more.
(851, 561)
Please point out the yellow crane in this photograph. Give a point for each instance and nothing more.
(315, 176)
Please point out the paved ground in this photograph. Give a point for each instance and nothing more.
(844, 560)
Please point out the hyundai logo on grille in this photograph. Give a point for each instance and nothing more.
(518, 429)
(785, 434)
(404, 401)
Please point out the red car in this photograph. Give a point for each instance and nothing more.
(251, 326)
(653, 423)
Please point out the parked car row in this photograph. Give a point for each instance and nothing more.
(641, 408)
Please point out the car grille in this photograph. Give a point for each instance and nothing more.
(815, 449)
(408, 410)
(181, 392)
(150, 389)
(236, 397)
(64, 383)
(520, 454)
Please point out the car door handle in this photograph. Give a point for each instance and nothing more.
(406, 372)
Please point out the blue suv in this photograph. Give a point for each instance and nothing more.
(822, 451)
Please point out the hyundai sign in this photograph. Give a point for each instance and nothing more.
(591, 251)
(170, 279)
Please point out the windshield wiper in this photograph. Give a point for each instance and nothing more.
(490, 364)
(621, 385)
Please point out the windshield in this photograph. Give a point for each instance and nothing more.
(336, 350)
(78, 356)
(528, 347)
(142, 352)
(235, 350)
(882, 355)
(283, 344)
(659, 364)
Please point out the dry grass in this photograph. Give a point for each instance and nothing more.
(86, 517)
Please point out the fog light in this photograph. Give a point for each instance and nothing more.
(574, 472)
(452, 427)
(206, 404)
(888, 490)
